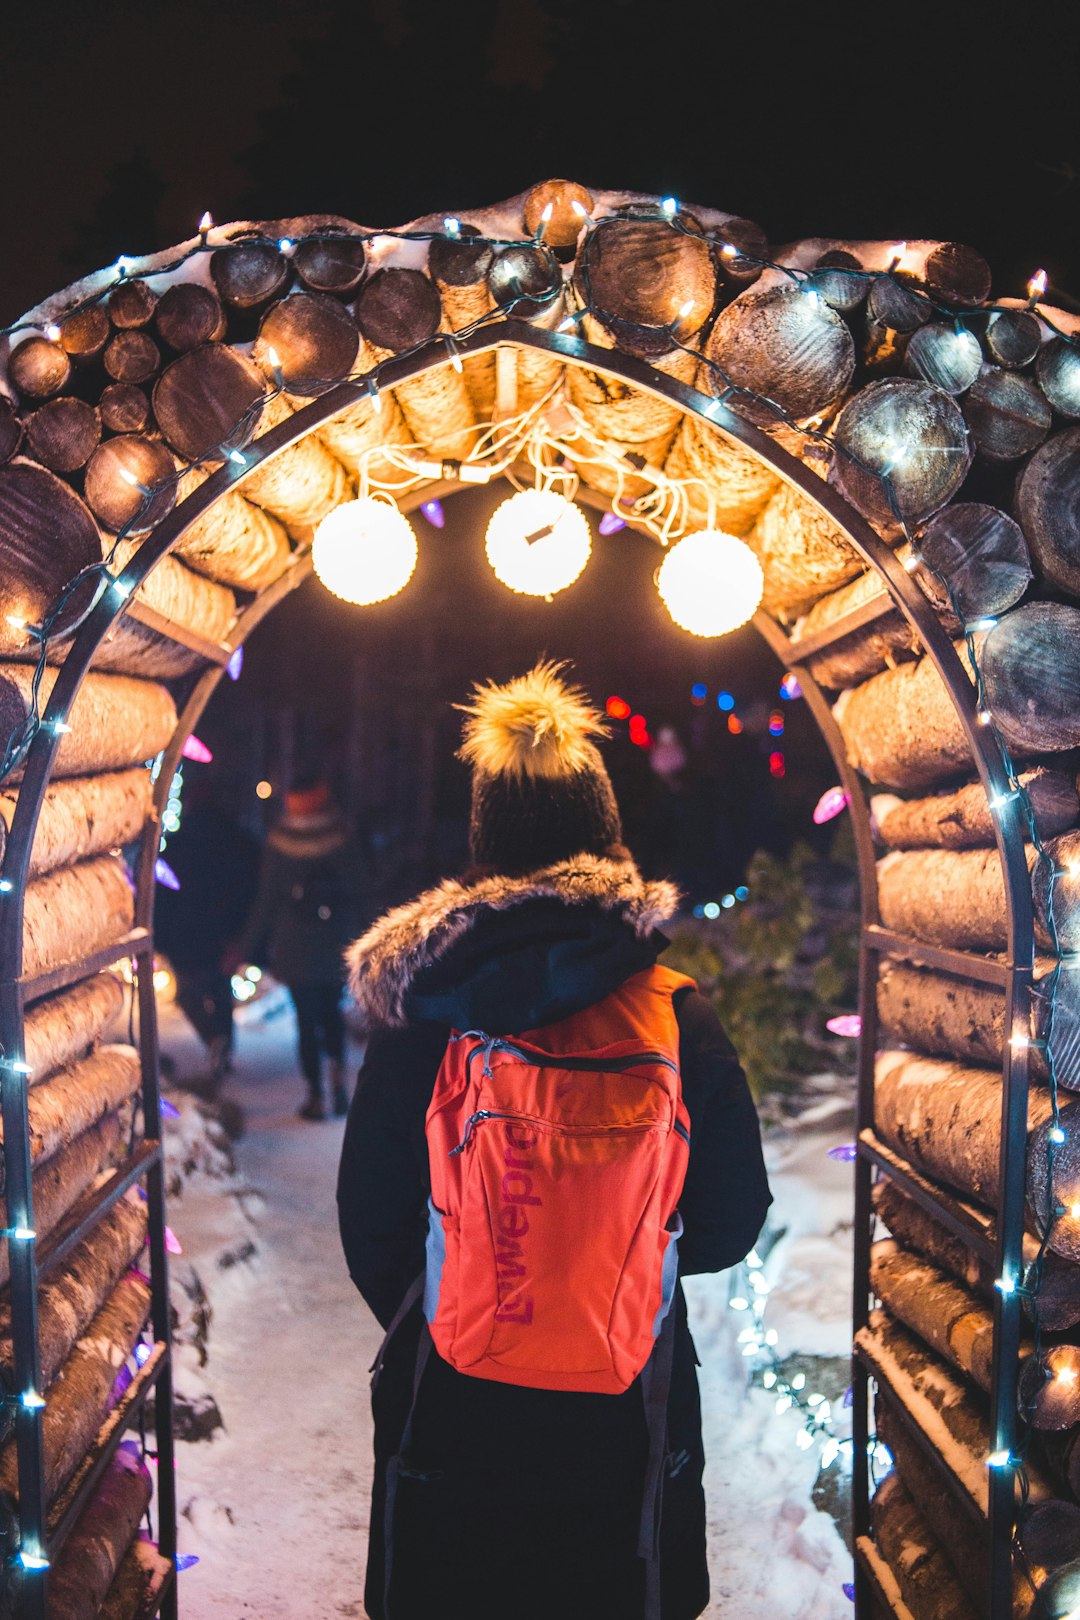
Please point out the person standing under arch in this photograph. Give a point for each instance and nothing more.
(494, 1497)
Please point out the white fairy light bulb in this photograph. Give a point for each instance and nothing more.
(538, 542)
(710, 583)
(365, 551)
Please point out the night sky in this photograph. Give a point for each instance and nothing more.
(124, 123)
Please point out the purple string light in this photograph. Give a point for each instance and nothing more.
(165, 875)
(610, 523)
(846, 1024)
(833, 802)
(433, 511)
(235, 664)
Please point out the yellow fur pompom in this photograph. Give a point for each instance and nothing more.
(535, 725)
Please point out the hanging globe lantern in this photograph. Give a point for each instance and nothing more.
(538, 542)
(710, 583)
(364, 551)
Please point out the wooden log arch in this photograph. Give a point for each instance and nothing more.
(649, 402)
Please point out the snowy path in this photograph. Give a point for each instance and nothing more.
(276, 1506)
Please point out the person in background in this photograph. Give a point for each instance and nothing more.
(492, 1498)
(217, 865)
(302, 919)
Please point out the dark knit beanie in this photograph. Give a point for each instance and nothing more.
(540, 791)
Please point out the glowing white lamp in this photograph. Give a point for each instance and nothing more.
(710, 583)
(538, 542)
(365, 551)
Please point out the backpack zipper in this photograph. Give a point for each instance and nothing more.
(579, 1130)
(558, 1060)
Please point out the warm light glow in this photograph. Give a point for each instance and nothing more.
(897, 254)
(538, 542)
(263, 790)
(207, 222)
(365, 551)
(710, 583)
(1066, 1376)
(52, 332)
(1037, 285)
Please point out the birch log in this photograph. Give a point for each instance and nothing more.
(301, 484)
(1007, 414)
(65, 1027)
(103, 1534)
(233, 542)
(943, 357)
(738, 483)
(803, 553)
(75, 911)
(961, 818)
(947, 1017)
(901, 729)
(249, 274)
(69, 1299)
(957, 273)
(180, 594)
(959, 1327)
(1013, 337)
(115, 721)
(61, 1181)
(132, 303)
(785, 345)
(396, 310)
(1058, 372)
(71, 1101)
(1031, 666)
(79, 1398)
(902, 435)
(927, 1582)
(459, 266)
(1059, 1288)
(884, 642)
(945, 1118)
(651, 284)
(83, 815)
(138, 1583)
(34, 502)
(132, 357)
(1048, 509)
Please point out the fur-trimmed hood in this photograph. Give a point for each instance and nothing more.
(386, 962)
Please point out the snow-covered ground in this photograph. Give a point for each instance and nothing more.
(275, 1503)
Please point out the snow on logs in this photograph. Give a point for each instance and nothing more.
(927, 1581)
(945, 1119)
(139, 1582)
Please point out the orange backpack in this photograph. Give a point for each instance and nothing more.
(557, 1161)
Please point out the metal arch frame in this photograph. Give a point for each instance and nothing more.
(1010, 839)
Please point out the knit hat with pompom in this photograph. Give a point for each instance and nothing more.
(540, 791)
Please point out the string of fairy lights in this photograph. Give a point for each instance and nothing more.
(543, 436)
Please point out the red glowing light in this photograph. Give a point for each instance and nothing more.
(618, 708)
(637, 723)
(734, 725)
(776, 764)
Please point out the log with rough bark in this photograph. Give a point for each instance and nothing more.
(79, 1398)
(331, 264)
(132, 357)
(69, 1299)
(83, 336)
(39, 368)
(1050, 1525)
(1007, 414)
(1049, 512)
(831, 281)
(124, 408)
(901, 729)
(63, 434)
(945, 1119)
(1031, 666)
(115, 721)
(301, 484)
(75, 911)
(786, 345)
(138, 1584)
(949, 1411)
(895, 306)
(83, 816)
(802, 552)
(61, 1181)
(556, 211)
(959, 1326)
(926, 1579)
(944, 357)
(234, 541)
(650, 284)
(130, 483)
(186, 598)
(634, 474)
(309, 341)
(957, 273)
(209, 401)
(1013, 337)
(953, 897)
(961, 1018)
(1059, 1286)
(1058, 371)
(900, 435)
(627, 416)
(188, 315)
(248, 275)
(396, 310)
(709, 464)
(132, 304)
(104, 1532)
(981, 554)
(64, 1027)
(72, 1100)
(887, 640)
(459, 266)
(34, 502)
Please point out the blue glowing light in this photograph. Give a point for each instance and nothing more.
(790, 688)
(725, 701)
(699, 691)
(742, 892)
(235, 664)
(186, 1560)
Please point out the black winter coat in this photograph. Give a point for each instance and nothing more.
(522, 1502)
